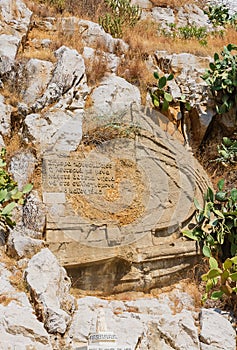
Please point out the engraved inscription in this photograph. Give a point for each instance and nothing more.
(74, 176)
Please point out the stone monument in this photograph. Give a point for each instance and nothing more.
(117, 204)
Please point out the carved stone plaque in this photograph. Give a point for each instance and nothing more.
(118, 187)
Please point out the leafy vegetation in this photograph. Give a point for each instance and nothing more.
(222, 279)
(227, 151)
(121, 13)
(186, 33)
(216, 231)
(10, 196)
(219, 15)
(222, 79)
(161, 98)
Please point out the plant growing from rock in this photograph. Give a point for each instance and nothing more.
(216, 222)
(227, 151)
(222, 79)
(221, 279)
(10, 196)
(121, 13)
(219, 15)
(216, 231)
(160, 96)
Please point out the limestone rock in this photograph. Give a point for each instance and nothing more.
(5, 115)
(34, 214)
(15, 17)
(192, 15)
(8, 48)
(164, 16)
(216, 331)
(21, 246)
(68, 78)
(57, 130)
(151, 320)
(93, 34)
(143, 4)
(15, 20)
(19, 326)
(115, 96)
(50, 292)
(37, 76)
(22, 167)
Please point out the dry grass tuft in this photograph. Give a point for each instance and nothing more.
(96, 68)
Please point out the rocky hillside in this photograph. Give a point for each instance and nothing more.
(114, 174)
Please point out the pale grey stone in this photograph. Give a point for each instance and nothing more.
(50, 292)
(57, 130)
(37, 77)
(22, 166)
(15, 17)
(21, 246)
(34, 214)
(8, 49)
(92, 34)
(5, 117)
(164, 16)
(21, 329)
(191, 14)
(68, 78)
(112, 61)
(216, 331)
(114, 95)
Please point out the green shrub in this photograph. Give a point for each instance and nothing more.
(216, 231)
(218, 15)
(10, 196)
(227, 151)
(121, 13)
(222, 79)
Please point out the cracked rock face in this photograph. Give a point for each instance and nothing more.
(50, 294)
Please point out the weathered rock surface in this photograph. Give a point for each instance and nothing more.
(18, 324)
(214, 326)
(57, 130)
(155, 323)
(21, 245)
(50, 293)
(94, 35)
(114, 95)
(5, 113)
(15, 20)
(22, 167)
(37, 74)
(188, 70)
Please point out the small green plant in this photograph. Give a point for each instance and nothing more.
(192, 31)
(222, 79)
(227, 151)
(121, 13)
(161, 98)
(10, 196)
(223, 280)
(218, 15)
(186, 33)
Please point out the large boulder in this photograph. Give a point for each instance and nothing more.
(50, 293)
(68, 81)
(19, 326)
(56, 130)
(114, 95)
